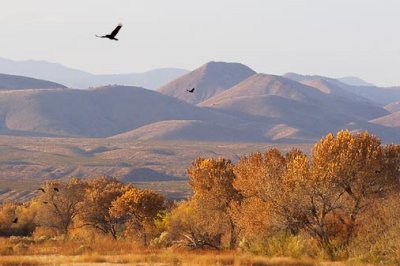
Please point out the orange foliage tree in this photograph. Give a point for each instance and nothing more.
(213, 198)
(138, 209)
(100, 194)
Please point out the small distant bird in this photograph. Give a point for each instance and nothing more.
(45, 202)
(191, 91)
(56, 189)
(41, 189)
(15, 220)
(112, 35)
(377, 172)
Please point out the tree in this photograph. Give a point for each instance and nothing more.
(25, 225)
(100, 194)
(139, 209)
(61, 203)
(214, 196)
(348, 174)
(260, 180)
(326, 195)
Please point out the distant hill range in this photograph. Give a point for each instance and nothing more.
(79, 79)
(231, 102)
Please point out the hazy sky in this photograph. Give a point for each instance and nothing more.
(326, 37)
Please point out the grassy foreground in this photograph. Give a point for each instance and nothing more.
(22, 251)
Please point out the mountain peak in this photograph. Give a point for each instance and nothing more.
(209, 80)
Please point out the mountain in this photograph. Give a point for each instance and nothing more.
(291, 109)
(256, 108)
(150, 80)
(99, 112)
(380, 95)
(209, 80)
(11, 82)
(74, 78)
(354, 81)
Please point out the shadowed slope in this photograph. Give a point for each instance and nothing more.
(99, 112)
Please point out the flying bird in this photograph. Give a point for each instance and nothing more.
(112, 35)
(56, 189)
(15, 220)
(191, 91)
(41, 189)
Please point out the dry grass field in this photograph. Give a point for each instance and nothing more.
(108, 252)
(26, 162)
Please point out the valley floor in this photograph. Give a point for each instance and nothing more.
(25, 163)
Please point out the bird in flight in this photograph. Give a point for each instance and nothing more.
(15, 220)
(112, 35)
(56, 189)
(191, 91)
(41, 189)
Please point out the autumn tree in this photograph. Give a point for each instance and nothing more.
(214, 197)
(260, 180)
(326, 194)
(138, 209)
(100, 194)
(349, 172)
(61, 203)
(25, 224)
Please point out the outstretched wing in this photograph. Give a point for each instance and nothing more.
(115, 31)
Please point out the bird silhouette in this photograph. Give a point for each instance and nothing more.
(15, 220)
(45, 202)
(191, 91)
(56, 189)
(41, 189)
(112, 35)
(377, 172)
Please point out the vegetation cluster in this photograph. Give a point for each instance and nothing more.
(340, 202)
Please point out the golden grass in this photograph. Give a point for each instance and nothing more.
(159, 258)
(108, 251)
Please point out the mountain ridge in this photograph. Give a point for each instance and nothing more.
(75, 78)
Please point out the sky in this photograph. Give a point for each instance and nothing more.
(326, 37)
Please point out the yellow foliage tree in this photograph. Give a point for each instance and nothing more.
(138, 208)
(100, 194)
(213, 199)
(60, 204)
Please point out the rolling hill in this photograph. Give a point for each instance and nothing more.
(209, 80)
(302, 111)
(193, 130)
(230, 103)
(100, 112)
(391, 120)
(380, 95)
(393, 107)
(12, 82)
